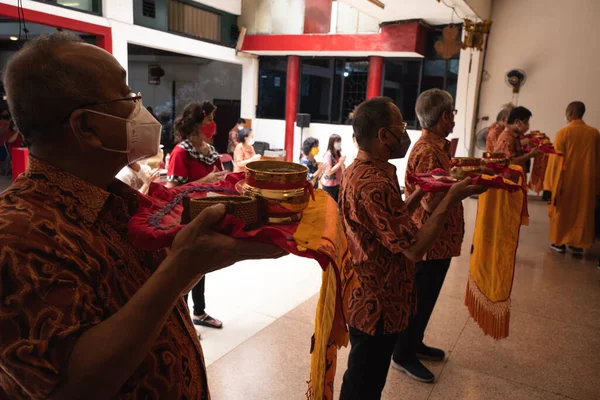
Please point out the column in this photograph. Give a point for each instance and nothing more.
(375, 77)
(291, 104)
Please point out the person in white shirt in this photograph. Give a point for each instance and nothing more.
(139, 176)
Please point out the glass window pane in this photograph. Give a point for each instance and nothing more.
(401, 84)
(336, 99)
(85, 5)
(315, 88)
(434, 72)
(272, 78)
(354, 78)
(452, 77)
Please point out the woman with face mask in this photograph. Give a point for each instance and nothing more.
(195, 160)
(244, 151)
(334, 164)
(310, 148)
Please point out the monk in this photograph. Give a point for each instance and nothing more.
(497, 127)
(509, 141)
(576, 185)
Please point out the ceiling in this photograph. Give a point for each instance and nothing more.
(431, 11)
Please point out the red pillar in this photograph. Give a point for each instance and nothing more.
(291, 104)
(375, 77)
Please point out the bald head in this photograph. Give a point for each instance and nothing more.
(575, 110)
(50, 77)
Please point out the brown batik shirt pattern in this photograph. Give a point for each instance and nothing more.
(378, 285)
(431, 152)
(66, 264)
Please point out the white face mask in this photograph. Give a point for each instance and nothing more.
(337, 146)
(143, 133)
(251, 142)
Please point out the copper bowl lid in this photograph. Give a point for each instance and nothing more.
(465, 161)
(276, 173)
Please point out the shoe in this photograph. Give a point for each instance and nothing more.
(415, 369)
(576, 250)
(430, 353)
(207, 321)
(559, 249)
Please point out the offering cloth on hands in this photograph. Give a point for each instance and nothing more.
(318, 235)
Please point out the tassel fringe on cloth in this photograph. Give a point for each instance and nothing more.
(500, 214)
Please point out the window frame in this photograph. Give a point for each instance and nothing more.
(55, 4)
(332, 66)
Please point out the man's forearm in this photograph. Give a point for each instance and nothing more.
(429, 232)
(520, 160)
(414, 200)
(105, 356)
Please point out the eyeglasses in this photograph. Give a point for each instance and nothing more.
(454, 112)
(401, 126)
(132, 97)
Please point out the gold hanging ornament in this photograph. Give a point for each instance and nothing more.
(475, 33)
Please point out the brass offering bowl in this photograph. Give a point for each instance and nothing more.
(494, 158)
(461, 167)
(281, 188)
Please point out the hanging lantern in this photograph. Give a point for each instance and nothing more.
(475, 33)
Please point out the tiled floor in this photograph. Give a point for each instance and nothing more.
(553, 351)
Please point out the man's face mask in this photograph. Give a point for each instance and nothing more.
(142, 130)
(402, 144)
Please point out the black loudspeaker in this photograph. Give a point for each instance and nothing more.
(303, 120)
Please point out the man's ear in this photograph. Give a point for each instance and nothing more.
(83, 132)
(383, 134)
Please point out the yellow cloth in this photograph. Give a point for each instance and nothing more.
(500, 215)
(575, 185)
(553, 171)
(321, 230)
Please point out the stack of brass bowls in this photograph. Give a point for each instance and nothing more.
(494, 158)
(281, 188)
(464, 166)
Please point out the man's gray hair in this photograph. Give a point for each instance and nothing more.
(430, 106)
(42, 87)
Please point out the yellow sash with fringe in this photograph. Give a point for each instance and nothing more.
(500, 215)
(321, 230)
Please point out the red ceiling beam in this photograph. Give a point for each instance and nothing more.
(410, 37)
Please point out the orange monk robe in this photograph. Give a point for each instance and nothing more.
(575, 185)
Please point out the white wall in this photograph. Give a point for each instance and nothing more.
(483, 8)
(200, 80)
(272, 16)
(554, 42)
(272, 131)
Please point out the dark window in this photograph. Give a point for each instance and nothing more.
(272, 76)
(354, 81)
(315, 88)
(149, 8)
(91, 6)
(330, 88)
(402, 84)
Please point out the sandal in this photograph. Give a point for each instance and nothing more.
(208, 321)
